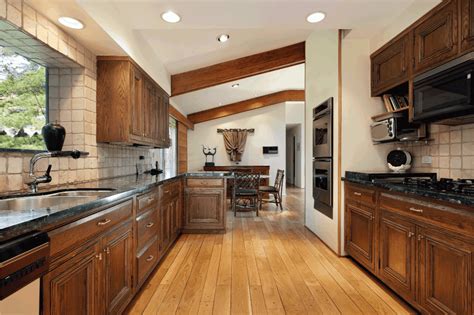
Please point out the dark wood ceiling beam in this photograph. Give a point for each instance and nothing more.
(176, 114)
(237, 69)
(247, 105)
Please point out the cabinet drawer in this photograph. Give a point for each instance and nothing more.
(147, 200)
(146, 260)
(87, 227)
(147, 228)
(205, 182)
(441, 215)
(169, 190)
(359, 194)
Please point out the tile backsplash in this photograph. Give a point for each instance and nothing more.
(72, 103)
(451, 151)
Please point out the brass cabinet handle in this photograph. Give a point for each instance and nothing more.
(150, 258)
(99, 256)
(151, 199)
(420, 237)
(357, 194)
(371, 217)
(416, 210)
(410, 234)
(107, 251)
(103, 222)
(149, 225)
(167, 191)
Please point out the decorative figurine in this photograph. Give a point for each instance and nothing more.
(209, 152)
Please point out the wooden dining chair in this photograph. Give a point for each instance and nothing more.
(276, 190)
(245, 194)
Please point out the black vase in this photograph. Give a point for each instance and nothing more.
(53, 135)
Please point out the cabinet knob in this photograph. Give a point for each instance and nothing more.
(150, 258)
(107, 250)
(99, 256)
(410, 234)
(103, 222)
(420, 237)
(149, 225)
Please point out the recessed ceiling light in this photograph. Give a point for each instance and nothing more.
(223, 38)
(71, 22)
(235, 85)
(170, 17)
(316, 17)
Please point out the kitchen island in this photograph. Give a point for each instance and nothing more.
(112, 242)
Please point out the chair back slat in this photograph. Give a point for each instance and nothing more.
(279, 179)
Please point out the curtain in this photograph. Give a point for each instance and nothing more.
(234, 140)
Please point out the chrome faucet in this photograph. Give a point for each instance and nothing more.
(46, 178)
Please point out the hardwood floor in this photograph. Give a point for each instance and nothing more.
(265, 265)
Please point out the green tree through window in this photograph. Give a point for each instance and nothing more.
(23, 110)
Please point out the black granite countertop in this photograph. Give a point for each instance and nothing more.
(455, 198)
(15, 223)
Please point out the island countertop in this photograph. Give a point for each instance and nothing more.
(15, 223)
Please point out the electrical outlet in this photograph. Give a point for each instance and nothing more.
(426, 159)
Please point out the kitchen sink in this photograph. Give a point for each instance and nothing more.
(53, 199)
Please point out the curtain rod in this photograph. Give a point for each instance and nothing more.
(236, 129)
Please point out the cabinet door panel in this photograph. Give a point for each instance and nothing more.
(390, 66)
(446, 273)
(204, 207)
(436, 38)
(467, 25)
(137, 124)
(397, 254)
(165, 227)
(360, 234)
(118, 250)
(74, 287)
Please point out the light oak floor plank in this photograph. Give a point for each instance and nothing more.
(269, 264)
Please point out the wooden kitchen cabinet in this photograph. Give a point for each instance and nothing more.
(131, 106)
(467, 25)
(118, 269)
(424, 249)
(74, 287)
(397, 245)
(205, 206)
(436, 36)
(390, 66)
(360, 238)
(446, 273)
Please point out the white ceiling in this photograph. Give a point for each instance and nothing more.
(291, 78)
(253, 25)
(92, 36)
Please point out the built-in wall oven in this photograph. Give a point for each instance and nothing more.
(322, 157)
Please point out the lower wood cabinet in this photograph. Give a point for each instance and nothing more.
(96, 280)
(118, 268)
(446, 276)
(73, 287)
(423, 250)
(205, 209)
(360, 233)
(397, 245)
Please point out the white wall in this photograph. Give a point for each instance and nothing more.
(269, 124)
(321, 83)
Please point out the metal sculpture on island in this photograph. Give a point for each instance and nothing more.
(209, 152)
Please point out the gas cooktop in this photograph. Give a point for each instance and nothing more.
(459, 186)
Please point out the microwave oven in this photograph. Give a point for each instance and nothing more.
(445, 94)
(397, 128)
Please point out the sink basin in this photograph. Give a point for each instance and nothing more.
(63, 198)
(38, 202)
(81, 193)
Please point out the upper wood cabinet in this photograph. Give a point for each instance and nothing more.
(436, 37)
(467, 25)
(131, 107)
(390, 65)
